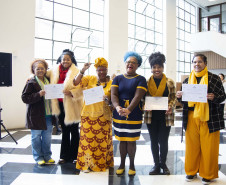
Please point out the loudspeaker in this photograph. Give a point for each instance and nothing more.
(5, 69)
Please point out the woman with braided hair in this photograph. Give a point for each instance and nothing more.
(68, 109)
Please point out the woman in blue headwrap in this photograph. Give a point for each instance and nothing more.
(126, 93)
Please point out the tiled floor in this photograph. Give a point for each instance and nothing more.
(17, 166)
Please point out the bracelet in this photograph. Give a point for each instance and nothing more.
(81, 73)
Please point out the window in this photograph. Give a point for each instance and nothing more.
(145, 30)
(70, 24)
(186, 25)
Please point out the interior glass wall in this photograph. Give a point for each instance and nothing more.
(77, 25)
(186, 25)
(145, 30)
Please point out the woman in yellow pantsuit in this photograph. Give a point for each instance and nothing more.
(95, 151)
(202, 123)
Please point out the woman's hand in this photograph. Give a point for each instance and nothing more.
(67, 93)
(119, 110)
(126, 112)
(169, 111)
(210, 96)
(85, 67)
(146, 110)
(28, 80)
(42, 93)
(179, 94)
(106, 99)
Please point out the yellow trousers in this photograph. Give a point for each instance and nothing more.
(202, 149)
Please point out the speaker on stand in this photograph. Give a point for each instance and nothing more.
(5, 80)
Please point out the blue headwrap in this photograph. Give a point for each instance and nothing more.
(133, 54)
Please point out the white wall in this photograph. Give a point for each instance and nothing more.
(17, 37)
(209, 41)
(116, 34)
(217, 71)
(170, 38)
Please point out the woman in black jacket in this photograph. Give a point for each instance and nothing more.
(202, 123)
(39, 115)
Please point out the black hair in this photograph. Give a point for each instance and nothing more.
(222, 75)
(69, 53)
(157, 58)
(204, 58)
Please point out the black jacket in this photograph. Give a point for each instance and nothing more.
(216, 119)
(35, 117)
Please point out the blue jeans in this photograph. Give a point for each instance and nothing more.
(41, 142)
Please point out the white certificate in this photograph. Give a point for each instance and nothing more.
(194, 93)
(156, 103)
(220, 103)
(54, 91)
(93, 95)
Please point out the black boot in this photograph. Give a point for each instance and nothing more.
(155, 170)
(165, 169)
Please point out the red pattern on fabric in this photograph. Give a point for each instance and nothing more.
(62, 76)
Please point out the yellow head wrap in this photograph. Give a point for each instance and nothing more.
(101, 62)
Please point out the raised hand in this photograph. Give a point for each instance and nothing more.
(85, 67)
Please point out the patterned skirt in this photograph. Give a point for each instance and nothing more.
(95, 146)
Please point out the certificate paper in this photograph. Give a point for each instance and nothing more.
(194, 93)
(156, 103)
(54, 91)
(93, 95)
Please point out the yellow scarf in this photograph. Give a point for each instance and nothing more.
(201, 109)
(152, 88)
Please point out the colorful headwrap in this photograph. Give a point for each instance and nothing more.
(133, 54)
(101, 62)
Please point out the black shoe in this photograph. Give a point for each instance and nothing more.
(61, 161)
(155, 170)
(205, 181)
(190, 178)
(165, 170)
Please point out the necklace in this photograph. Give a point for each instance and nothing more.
(98, 84)
(105, 85)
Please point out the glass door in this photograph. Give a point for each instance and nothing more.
(214, 23)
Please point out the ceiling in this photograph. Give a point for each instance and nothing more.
(205, 3)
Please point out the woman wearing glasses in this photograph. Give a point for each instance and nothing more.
(126, 92)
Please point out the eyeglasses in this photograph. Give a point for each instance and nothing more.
(131, 62)
(40, 69)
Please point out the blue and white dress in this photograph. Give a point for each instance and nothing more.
(128, 129)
